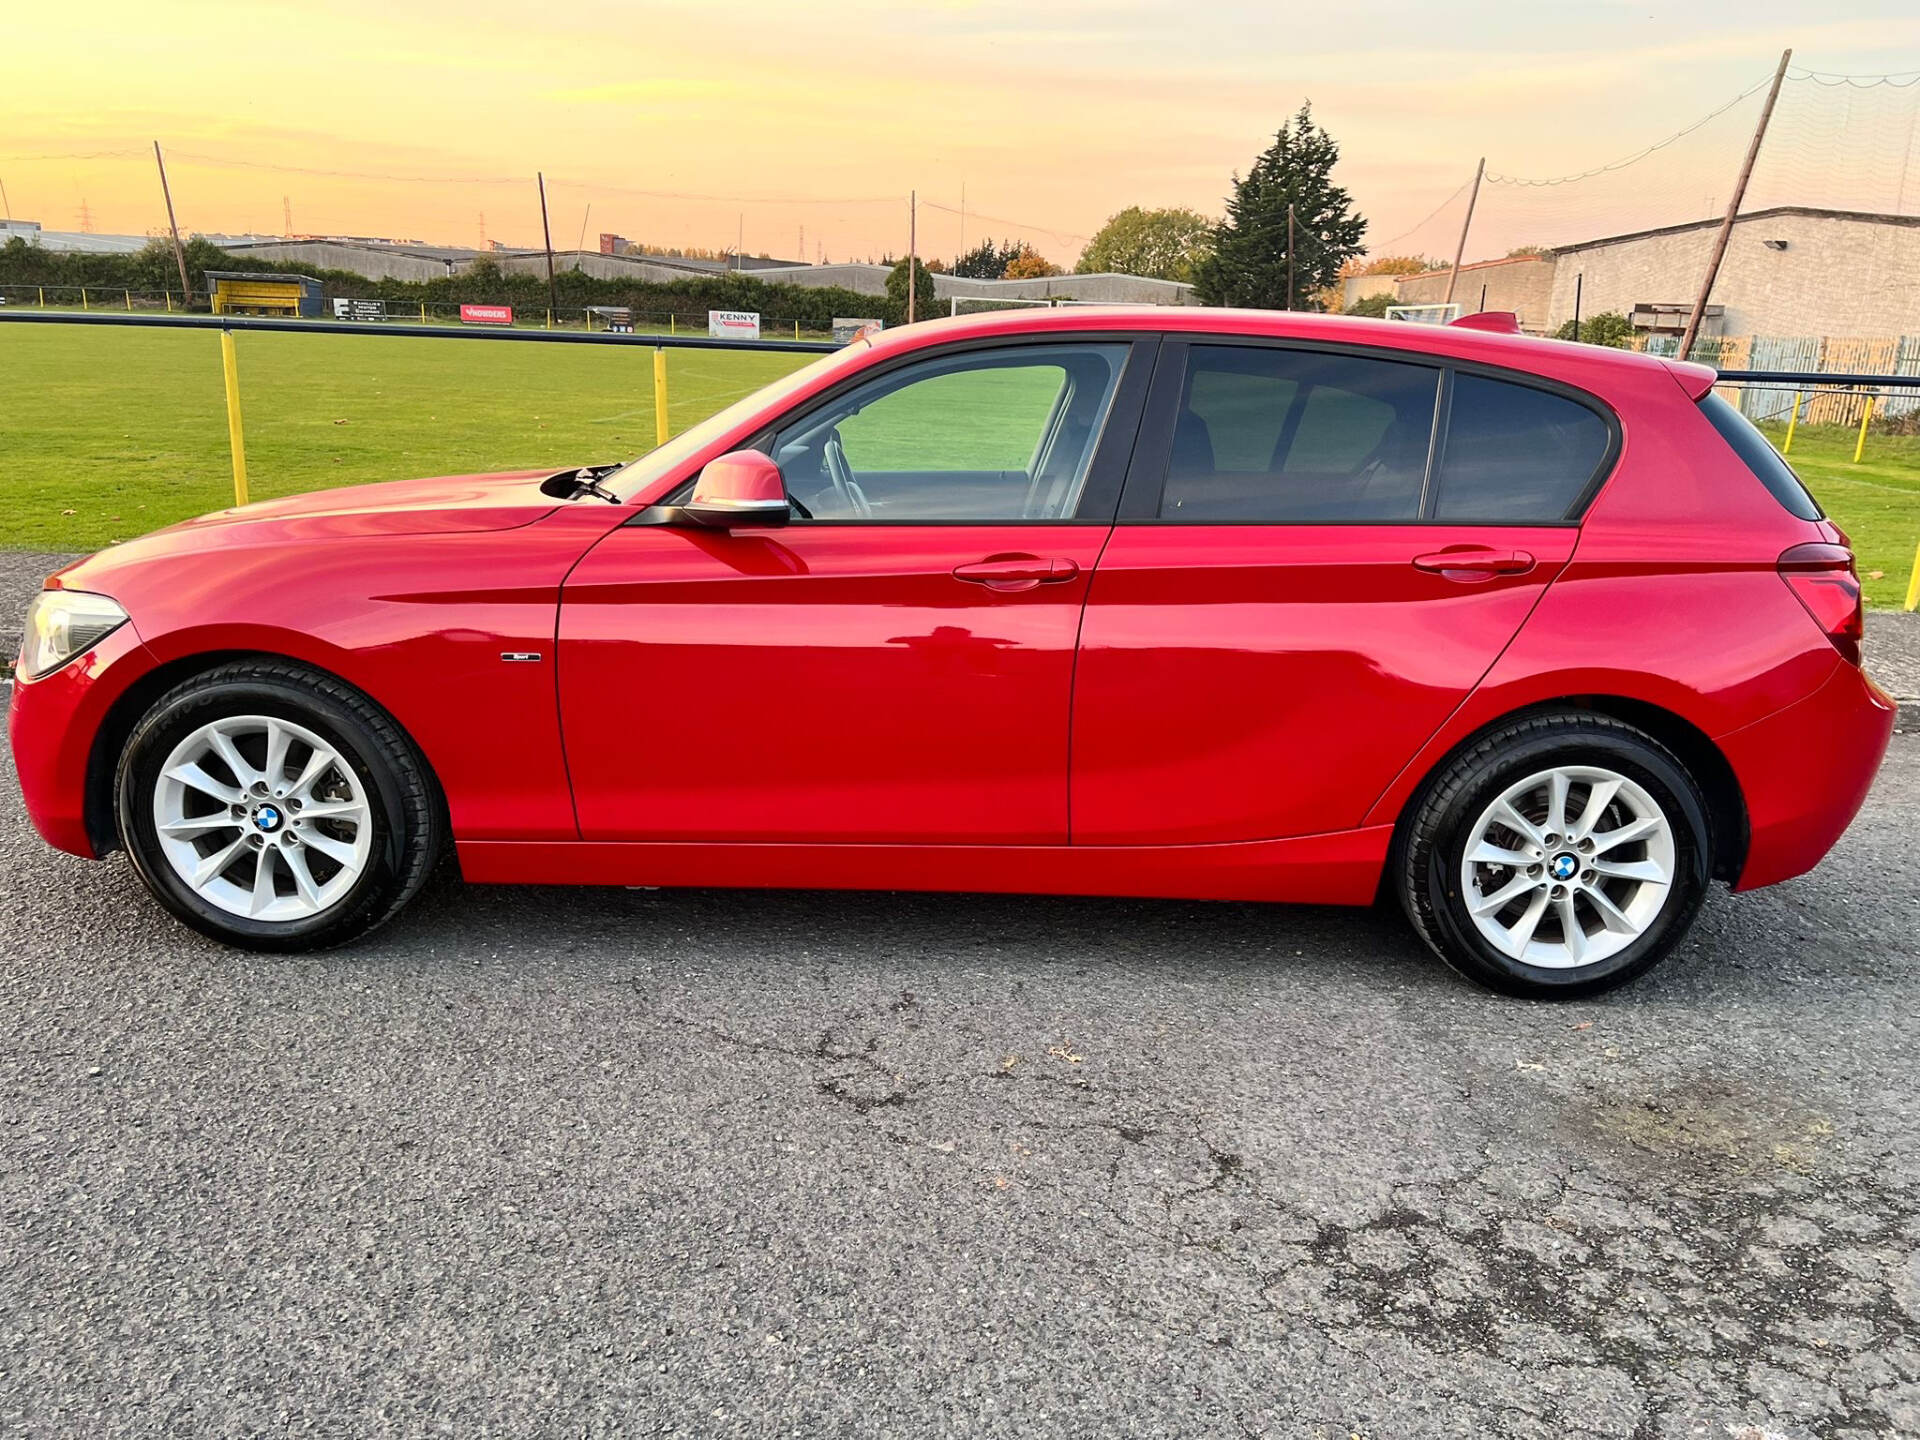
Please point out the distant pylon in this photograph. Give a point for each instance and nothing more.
(286, 215)
(86, 219)
(483, 229)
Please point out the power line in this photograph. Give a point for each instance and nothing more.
(1638, 156)
(1424, 223)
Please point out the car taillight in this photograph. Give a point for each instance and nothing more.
(1822, 577)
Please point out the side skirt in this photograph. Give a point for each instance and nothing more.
(1336, 869)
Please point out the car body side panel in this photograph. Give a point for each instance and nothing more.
(418, 622)
(1338, 869)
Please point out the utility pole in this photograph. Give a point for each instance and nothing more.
(913, 242)
(1289, 256)
(1473, 198)
(6, 204)
(179, 255)
(286, 216)
(546, 233)
(1733, 209)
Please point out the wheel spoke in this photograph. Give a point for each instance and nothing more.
(1557, 786)
(302, 876)
(1512, 890)
(223, 746)
(200, 825)
(1521, 931)
(1650, 871)
(216, 864)
(315, 767)
(354, 810)
(1598, 798)
(278, 739)
(1633, 830)
(1512, 819)
(1611, 915)
(263, 892)
(1571, 933)
(1488, 853)
(194, 778)
(328, 846)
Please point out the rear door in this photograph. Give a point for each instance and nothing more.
(1319, 554)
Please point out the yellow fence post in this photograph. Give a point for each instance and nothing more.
(169, 295)
(672, 321)
(43, 297)
(549, 319)
(659, 395)
(1793, 420)
(796, 329)
(1913, 583)
(423, 312)
(236, 434)
(83, 297)
(129, 298)
(1860, 445)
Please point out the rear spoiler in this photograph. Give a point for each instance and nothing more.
(1501, 322)
(1696, 380)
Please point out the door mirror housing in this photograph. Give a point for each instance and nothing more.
(738, 490)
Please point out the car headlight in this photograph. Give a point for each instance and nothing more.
(62, 624)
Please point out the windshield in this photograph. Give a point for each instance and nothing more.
(638, 474)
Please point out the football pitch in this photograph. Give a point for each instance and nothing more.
(105, 434)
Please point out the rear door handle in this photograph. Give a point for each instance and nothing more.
(1475, 564)
(1016, 572)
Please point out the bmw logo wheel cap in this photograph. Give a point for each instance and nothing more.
(267, 818)
(1564, 867)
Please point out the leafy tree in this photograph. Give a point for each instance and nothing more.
(1373, 305)
(924, 301)
(1609, 327)
(1160, 244)
(1248, 265)
(1390, 265)
(1520, 250)
(988, 260)
(1030, 264)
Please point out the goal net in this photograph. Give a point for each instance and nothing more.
(982, 304)
(1425, 314)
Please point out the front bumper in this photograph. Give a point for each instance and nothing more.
(1805, 772)
(53, 722)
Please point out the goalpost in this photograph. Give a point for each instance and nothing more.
(1425, 314)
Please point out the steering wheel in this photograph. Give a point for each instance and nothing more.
(843, 482)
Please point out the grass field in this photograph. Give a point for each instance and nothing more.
(106, 434)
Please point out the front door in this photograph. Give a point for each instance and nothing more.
(1318, 556)
(894, 665)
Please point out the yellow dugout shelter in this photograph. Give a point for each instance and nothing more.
(239, 292)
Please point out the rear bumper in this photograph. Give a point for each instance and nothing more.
(52, 723)
(1805, 771)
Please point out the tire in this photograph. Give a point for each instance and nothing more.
(351, 842)
(1627, 920)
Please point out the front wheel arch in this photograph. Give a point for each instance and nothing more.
(103, 759)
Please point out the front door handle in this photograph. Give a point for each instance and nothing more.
(1016, 572)
(1475, 564)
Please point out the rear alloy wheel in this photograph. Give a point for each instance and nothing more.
(275, 808)
(1559, 856)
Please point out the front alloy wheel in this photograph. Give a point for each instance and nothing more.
(271, 806)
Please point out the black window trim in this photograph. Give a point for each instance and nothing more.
(1106, 472)
(1153, 447)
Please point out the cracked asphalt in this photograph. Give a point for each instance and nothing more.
(704, 1164)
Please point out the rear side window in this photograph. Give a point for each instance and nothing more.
(1267, 436)
(1516, 455)
(1766, 463)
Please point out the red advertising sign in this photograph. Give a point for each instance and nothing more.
(486, 314)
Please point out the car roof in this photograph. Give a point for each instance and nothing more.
(1518, 352)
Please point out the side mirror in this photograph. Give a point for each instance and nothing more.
(738, 490)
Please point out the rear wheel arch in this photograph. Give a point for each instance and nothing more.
(1704, 760)
(117, 726)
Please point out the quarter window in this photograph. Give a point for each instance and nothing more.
(1269, 436)
(1003, 435)
(1514, 454)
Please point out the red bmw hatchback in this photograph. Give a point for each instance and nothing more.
(1538, 639)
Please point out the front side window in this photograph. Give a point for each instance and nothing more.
(996, 435)
(1270, 436)
(1516, 455)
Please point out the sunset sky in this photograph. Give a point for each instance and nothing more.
(678, 122)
